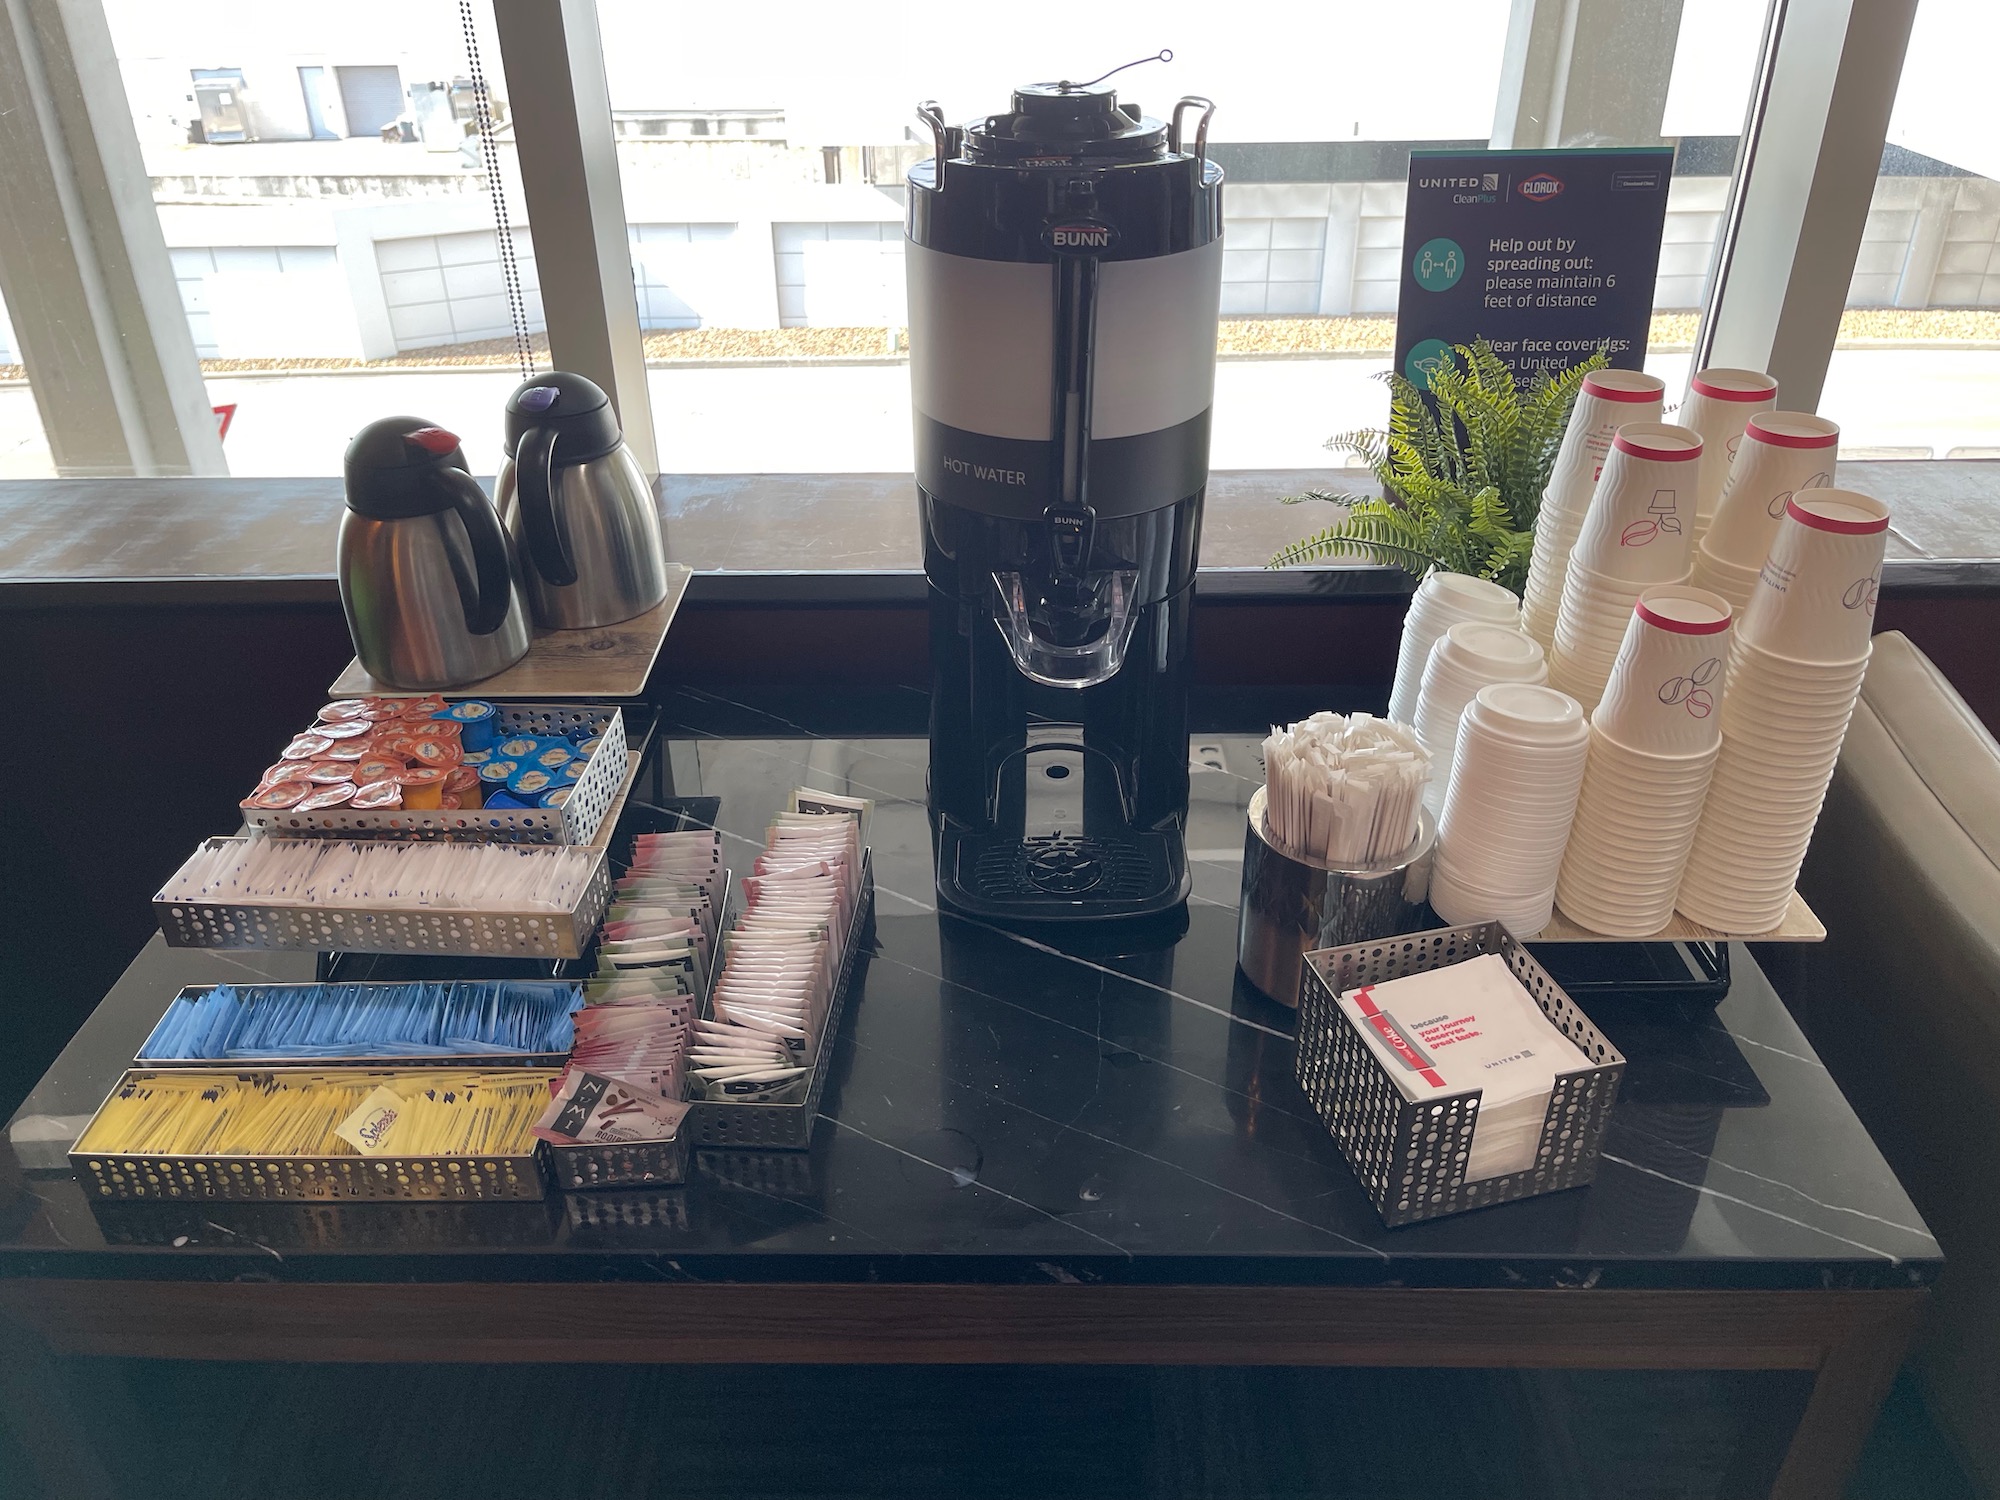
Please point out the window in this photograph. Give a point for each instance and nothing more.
(1916, 370)
(327, 220)
(785, 351)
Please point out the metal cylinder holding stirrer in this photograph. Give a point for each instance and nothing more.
(1338, 848)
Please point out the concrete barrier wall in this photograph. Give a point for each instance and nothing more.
(380, 279)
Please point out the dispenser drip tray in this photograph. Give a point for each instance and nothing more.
(1053, 877)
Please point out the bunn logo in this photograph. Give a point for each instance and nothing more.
(1079, 237)
(1539, 188)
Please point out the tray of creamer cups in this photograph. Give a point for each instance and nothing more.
(1638, 533)
(1795, 671)
(1607, 400)
(1720, 403)
(1441, 601)
(1470, 655)
(1780, 453)
(1654, 740)
(1507, 812)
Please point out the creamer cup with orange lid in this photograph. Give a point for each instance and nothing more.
(328, 772)
(423, 787)
(430, 751)
(328, 796)
(344, 708)
(307, 747)
(278, 795)
(284, 770)
(418, 709)
(374, 767)
(344, 729)
(347, 750)
(451, 802)
(379, 796)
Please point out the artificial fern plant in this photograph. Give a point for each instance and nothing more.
(1461, 474)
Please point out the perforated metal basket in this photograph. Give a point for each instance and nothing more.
(788, 1125)
(114, 1174)
(356, 929)
(1411, 1156)
(574, 822)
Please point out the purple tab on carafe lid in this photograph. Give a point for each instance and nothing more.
(538, 398)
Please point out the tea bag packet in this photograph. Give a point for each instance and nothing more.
(590, 1109)
(1469, 1026)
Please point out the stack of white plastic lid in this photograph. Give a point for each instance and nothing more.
(1607, 400)
(1653, 746)
(1795, 671)
(1639, 533)
(1441, 601)
(1507, 813)
(1469, 657)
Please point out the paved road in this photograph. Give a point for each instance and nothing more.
(1269, 414)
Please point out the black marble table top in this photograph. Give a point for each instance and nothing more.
(1015, 1109)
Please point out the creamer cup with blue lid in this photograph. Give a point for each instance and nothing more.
(520, 747)
(497, 770)
(478, 721)
(572, 773)
(530, 782)
(554, 755)
(556, 796)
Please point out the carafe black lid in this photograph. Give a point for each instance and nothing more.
(391, 467)
(1066, 121)
(585, 424)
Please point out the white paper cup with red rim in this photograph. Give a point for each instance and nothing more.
(1815, 602)
(1719, 404)
(1641, 521)
(1731, 580)
(1664, 695)
(1781, 453)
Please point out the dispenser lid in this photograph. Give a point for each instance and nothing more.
(391, 467)
(1066, 121)
(585, 424)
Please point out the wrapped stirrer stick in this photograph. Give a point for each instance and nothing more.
(1344, 790)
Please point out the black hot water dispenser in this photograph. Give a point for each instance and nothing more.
(1065, 270)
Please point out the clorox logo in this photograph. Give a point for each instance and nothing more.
(1539, 188)
(1082, 237)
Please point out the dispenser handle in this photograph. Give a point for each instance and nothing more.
(1207, 108)
(534, 488)
(486, 609)
(933, 116)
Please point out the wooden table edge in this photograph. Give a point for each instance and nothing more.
(888, 1323)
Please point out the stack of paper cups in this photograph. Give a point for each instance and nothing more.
(1507, 813)
(1471, 655)
(1719, 403)
(1795, 671)
(1607, 400)
(1653, 746)
(1782, 452)
(1638, 533)
(1441, 601)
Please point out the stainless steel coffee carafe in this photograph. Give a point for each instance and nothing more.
(426, 572)
(579, 508)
